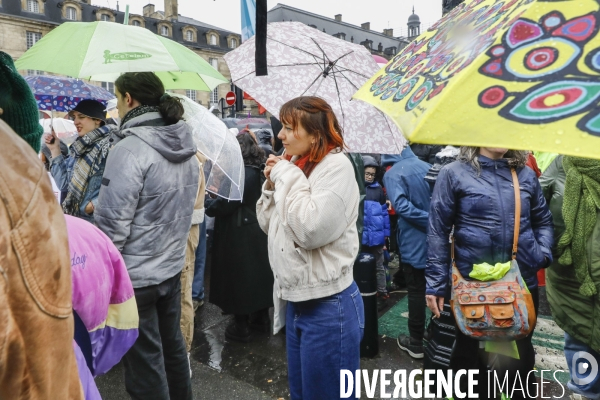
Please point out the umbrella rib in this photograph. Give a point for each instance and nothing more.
(350, 52)
(342, 69)
(340, 101)
(295, 65)
(311, 85)
(345, 77)
(242, 77)
(323, 51)
(294, 47)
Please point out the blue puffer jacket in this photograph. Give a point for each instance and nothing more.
(377, 219)
(410, 195)
(482, 210)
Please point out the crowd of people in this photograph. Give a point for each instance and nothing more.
(121, 274)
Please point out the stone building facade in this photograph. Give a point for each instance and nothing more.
(24, 22)
(383, 44)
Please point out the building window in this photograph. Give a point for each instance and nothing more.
(32, 38)
(214, 96)
(135, 22)
(191, 94)
(189, 36)
(164, 30)
(110, 86)
(214, 62)
(213, 40)
(104, 17)
(71, 13)
(233, 43)
(34, 72)
(33, 6)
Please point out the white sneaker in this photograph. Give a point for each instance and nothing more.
(190, 364)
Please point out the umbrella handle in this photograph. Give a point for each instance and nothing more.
(52, 127)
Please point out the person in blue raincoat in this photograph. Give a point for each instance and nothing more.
(475, 197)
(410, 195)
(376, 222)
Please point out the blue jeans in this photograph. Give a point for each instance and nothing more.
(200, 265)
(323, 337)
(592, 389)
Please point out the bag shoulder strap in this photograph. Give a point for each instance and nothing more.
(517, 212)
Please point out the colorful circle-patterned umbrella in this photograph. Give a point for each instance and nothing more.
(62, 94)
(519, 74)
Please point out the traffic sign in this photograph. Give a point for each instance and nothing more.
(230, 98)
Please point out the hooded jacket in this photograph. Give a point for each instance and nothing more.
(481, 207)
(410, 195)
(147, 197)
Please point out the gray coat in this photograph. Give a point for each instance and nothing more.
(147, 197)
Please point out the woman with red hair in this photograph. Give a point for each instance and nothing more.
(309, 209)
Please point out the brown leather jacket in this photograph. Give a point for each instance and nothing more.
(37, 360)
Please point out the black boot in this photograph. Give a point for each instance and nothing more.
(238, 330)
(260, 321)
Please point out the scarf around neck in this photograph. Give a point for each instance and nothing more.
(136, 112)
(580, 207)
(305, 164)
(89, 151)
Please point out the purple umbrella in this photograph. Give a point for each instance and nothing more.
(58, 93)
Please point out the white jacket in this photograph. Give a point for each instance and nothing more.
(311, 224)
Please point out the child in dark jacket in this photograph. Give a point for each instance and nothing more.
(377, 222)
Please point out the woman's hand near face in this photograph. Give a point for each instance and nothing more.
(267, 172)
(53, 143)
(272, 160)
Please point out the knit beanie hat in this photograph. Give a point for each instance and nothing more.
(19, 107)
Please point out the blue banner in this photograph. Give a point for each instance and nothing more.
(248, 18)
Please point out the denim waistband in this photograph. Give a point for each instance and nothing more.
(334, 297)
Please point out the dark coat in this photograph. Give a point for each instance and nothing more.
(410, 195)
(482, 209)
(241, 280)
(377, 219)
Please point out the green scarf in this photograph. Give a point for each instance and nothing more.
(580, 206)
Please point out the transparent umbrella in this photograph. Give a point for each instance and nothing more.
(224, 170)
(65, 129)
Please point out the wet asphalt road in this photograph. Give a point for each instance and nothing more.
(258, 370)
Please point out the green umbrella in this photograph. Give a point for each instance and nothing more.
(100, 51)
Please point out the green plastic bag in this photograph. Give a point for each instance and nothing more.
(486, 272)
